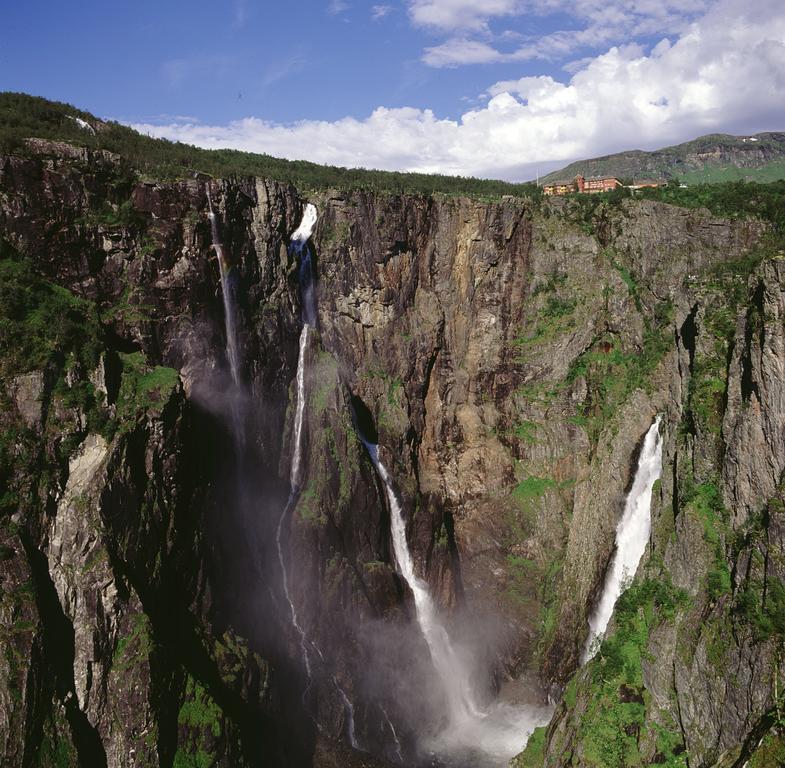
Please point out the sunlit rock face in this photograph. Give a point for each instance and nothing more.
(507, 358)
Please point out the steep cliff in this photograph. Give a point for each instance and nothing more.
(691, 671)
(507, 356)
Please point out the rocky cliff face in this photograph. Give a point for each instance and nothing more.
(693, 669)
(507, 356)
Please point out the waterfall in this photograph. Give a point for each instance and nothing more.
(452, 673)
(488, 736)
(491, 736)
(349, 708)
(632, 535)
(299, 411)
(227, 290)
(285, 579)
(299, 246)
(396, 740)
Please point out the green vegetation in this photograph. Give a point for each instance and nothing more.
(760, 600)
(45, 327)
(526, 431)
(336, 235)
(726, 293)
(142, 387)
(23, 116)
(231, 653)
(612, 374)
(550, 603)
(617, 702)
(589, 211)
(200, 726)
(540, 392)
(114, 217)
(705, 501)
(134, 647)
(534, 754)
(56, 749)
(393, 409)
(629, 280)
(762, 606)
(199, 710)
(672, 162)
(773, 171)
(732, 200)
(521, 577)
(308, 505)
(41, 322)
(770, 753)
(128, 309)
(533, 487)
(553, 317)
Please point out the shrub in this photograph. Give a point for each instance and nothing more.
(41, 322)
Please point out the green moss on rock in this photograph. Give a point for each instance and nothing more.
(143, 387)
(41, 321)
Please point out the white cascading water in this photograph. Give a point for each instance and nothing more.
(298, 244)
(492, 735)
(496, 733)
(230, 317)
(299, 412)
(396, 740)
(349, 709)
(454, 676)
(632, 535)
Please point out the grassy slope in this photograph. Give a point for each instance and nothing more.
(733, 159)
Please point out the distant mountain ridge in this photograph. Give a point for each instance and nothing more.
(712, 158)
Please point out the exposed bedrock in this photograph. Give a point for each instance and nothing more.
(509, 357)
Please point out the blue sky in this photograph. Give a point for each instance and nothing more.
(493, 88)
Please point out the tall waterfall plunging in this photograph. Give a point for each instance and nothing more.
(453, 674)
(299, 411)
(632, 535)
(490, 735)
(227, 290)
(299, 242)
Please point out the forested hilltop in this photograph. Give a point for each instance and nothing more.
(23, 116)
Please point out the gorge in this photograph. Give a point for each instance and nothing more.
(347, 494)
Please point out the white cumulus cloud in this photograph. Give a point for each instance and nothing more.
(593, 24)
(724, 72)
